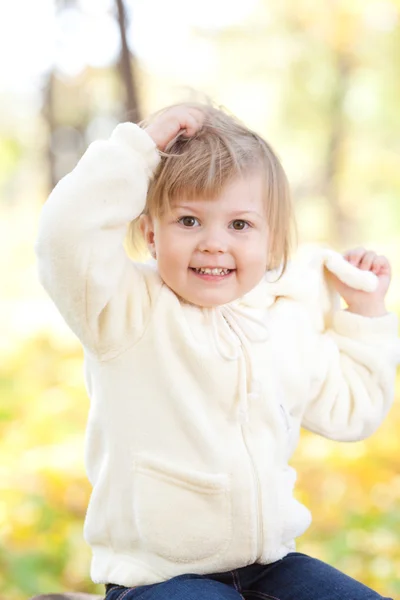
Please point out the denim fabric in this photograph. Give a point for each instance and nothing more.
(295, 577)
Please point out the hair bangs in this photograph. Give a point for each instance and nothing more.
(195, 168)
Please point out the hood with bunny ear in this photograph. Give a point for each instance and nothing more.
(321, 259)
(305, 281)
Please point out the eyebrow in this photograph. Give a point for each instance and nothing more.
(244, 213)
(183, 207)
(236, 213)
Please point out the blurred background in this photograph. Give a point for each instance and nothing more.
(321, 81)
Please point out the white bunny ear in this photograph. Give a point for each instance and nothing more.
(350, 275)
(326, 299)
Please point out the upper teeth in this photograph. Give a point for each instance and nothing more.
(208, 271)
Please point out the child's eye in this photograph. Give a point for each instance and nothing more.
(240, 225)
(189, 221)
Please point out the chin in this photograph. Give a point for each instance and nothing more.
(210, 302)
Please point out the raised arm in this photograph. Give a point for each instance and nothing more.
(354, 361)
(102, 295)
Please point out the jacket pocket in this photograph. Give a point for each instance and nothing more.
(181, 515)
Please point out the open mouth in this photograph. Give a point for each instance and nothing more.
(210, 272)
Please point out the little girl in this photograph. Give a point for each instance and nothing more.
(203, 363)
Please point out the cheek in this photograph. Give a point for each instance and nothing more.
(178, 246)
(254, 253)
(166, 244)
(172, 256)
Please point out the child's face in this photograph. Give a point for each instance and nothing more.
(228, 233)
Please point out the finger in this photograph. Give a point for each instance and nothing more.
(377, 265)
(367, 260)
(197, 114)
(381, 265)
(194, 121)
(354, 255)
(191, 126)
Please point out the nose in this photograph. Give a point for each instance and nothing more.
(213, 242)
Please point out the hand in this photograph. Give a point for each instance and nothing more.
(368, 304)
(168, 124)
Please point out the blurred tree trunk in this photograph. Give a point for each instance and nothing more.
(335, 154)
(126, 66)
(49, 117)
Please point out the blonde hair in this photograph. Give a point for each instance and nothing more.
(199, 167)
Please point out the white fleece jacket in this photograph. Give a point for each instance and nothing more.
(196, 412)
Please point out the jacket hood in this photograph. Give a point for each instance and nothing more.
(305, 281)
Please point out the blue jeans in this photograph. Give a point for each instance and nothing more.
(295, 577)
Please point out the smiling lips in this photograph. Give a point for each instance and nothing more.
(211, 272)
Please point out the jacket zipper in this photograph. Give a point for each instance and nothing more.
(258, 499)
(259, 525)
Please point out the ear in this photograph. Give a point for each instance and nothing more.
(146, 226)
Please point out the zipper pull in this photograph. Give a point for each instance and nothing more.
(285, 417)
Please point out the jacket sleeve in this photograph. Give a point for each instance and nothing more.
(353, 376)
(352, 359)
(103, 296)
